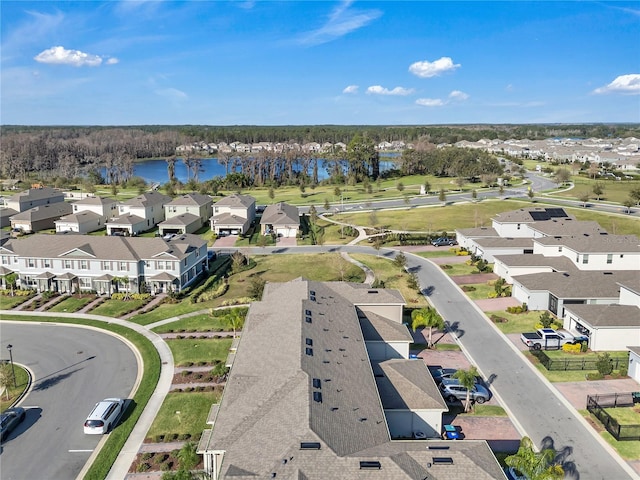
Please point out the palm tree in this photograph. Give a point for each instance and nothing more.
(467, 379)
(234, 320)
(427, 317)
(535, 465)
(171, 168)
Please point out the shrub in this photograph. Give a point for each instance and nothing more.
(594, 376)
(468, 288)
(604, 364)
(624, 369)
(497, 319)
(546, 320)
(517, 309)
(143, 467)
(146, 456)
(569, 348)
(446, 267)
(584, 346)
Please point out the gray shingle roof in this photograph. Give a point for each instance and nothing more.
(596, 243)
(95, 201)
(280, 214)
(578, 283)
(499, 242)
(607, 315)
(191, 199)
(36, 194)
(148, 198)
(408, 384)
(236, 200)
(84, 216)
(43, 212)
(108, 248)
(297, 381)
(228, 219)
(378, 328)
(478, 232)
(182, 220)
(632, 284)
(559, 264)
(526, 215)
(125, 220)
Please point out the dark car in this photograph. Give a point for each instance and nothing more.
(442, 373)
(443, 242)
(10, 419)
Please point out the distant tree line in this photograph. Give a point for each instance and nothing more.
(80, 151)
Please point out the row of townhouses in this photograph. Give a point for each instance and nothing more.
(340, 398)
(41, 209)
(310, 147)
(587, 277)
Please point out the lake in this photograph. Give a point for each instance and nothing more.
(155, 170)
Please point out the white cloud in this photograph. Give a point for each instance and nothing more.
(458, 95)
(342, 21)
(112, 61)
(428, 69)
(430, 102)
(351, 89)
(379, 90)
(171, 93)
(62, 56)
(629, 84)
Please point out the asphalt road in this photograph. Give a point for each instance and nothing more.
(545, 418)
(72, 371)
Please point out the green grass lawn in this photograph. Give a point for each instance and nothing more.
(629, 450)
(517, 323)
(190, 351)
(14, 389)
(614, 191)
(197, 323)
(439, 253)
(624, 415)
(458, 269)
(481, 291)
(183, 413)
(614, 224)
(7, 302)
(117, 308)
(72, 304)
(392, 276)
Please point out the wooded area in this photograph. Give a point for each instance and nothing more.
(70, 152)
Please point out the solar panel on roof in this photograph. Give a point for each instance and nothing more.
(556, 212)
(539, 216)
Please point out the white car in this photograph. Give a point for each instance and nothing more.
(104, 416)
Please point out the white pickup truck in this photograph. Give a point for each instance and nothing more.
(547, 339)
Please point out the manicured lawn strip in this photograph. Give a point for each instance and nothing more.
(392, 276)
(438, 253)
(459, 269)
(446, 346)
(614, 191)
(561, 375)
(517, 323)
(481, 291)
(488, 411)
(197, 323)
(559, 354)
(110, 450)
(168, 310)
(8, 302)
(183, 413)
(117, 308)
(614, 224)
(436, 219)
(189, 351)
(71, 304)
(624, 415)
(22, 377)
(629, 450)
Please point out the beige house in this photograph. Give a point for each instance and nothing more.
(186, 214)
(34, 197)
(233, 215)
(40, 218)
(280, 219)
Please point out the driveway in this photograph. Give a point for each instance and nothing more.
(225, 242)
(576, 392)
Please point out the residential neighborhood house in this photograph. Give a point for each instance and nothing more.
(280, 219)
(186, 213)
(233, 215)
(138, 214)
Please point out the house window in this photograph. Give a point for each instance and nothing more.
(122, 266)
(68, 264)
(85, 282)
(5, 260)
(46, 263)
(84, 265)
(610, 258)
(106, 265)
(160, 265)
(585, 259)
(31, 263)
(147, 263)
(559, 249)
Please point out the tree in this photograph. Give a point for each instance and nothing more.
(272, 193)
(531, 194)
(467, 379)
(400, 260)
(474, 194)
(125, 282)
(460, 181)
(400, 187)
(604, 364)
(546, 320)
(427, 317)
(584, 198)
(635, 195)
(427, 186)
(598, 190)
(233, 319)
(326, 204)
(6, 378)
(628, 203)
(535, 465)
(337, 192)
(256, 287)
(562, 176)
(442, 196)
(238, 261)
(10, 280)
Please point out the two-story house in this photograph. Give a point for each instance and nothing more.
(233, 215)
(138, 214)
(186, 214)
(89, 214)
(40, 218)
(302, 378)
(34, 197)
(70, 263)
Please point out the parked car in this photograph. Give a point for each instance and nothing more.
(10, 419)
(442, 373)
(452, 391)
(443, 242)
(104, 415)
(548, 339)
(211, 255)
(514, 474)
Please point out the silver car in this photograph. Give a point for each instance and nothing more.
(452, 390)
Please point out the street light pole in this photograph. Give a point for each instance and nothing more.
(13, 371)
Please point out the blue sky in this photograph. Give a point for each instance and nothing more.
(323, 62)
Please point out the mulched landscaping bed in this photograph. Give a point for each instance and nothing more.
(195, 377)
(158, 462)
